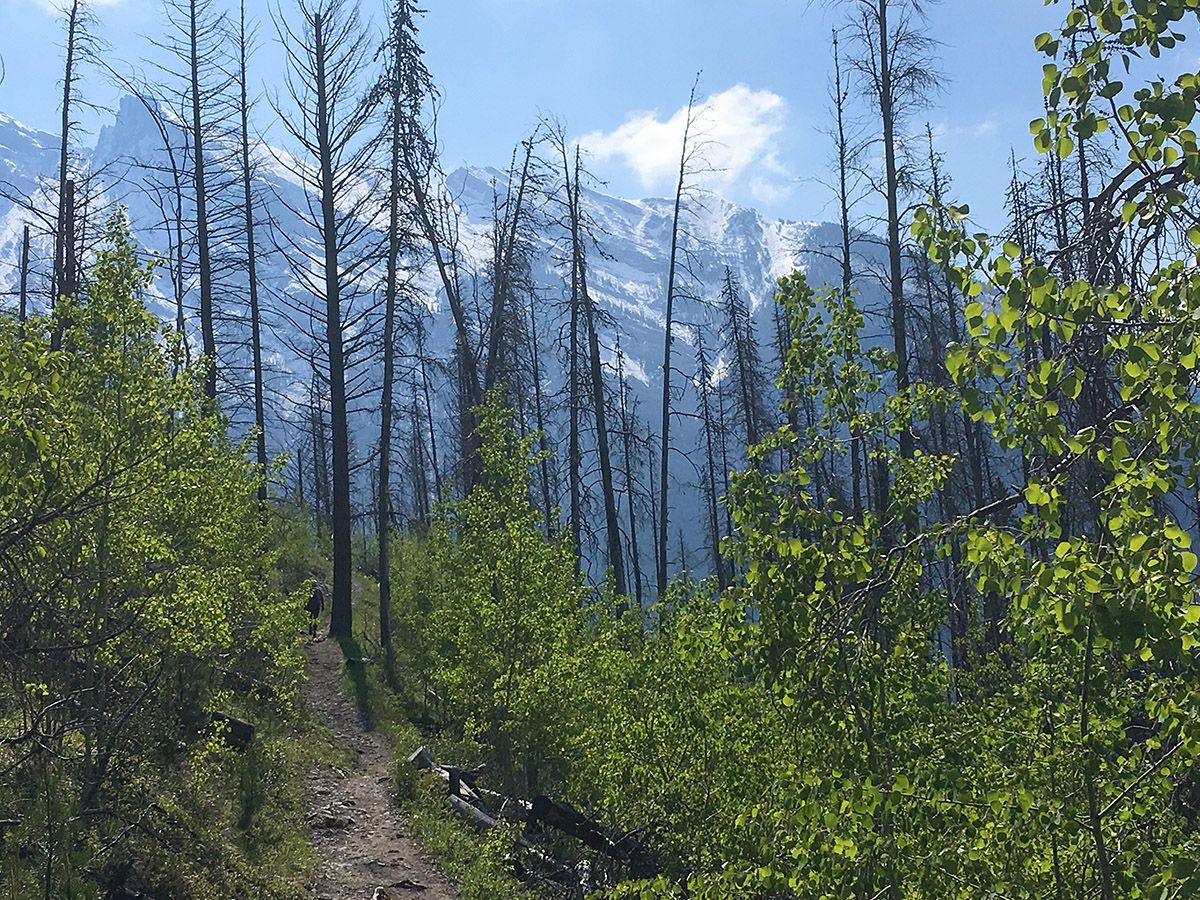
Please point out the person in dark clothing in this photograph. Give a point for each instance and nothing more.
(315, 606)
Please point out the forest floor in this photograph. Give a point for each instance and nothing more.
(363, 846)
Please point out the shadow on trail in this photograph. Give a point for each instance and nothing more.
(356, 671)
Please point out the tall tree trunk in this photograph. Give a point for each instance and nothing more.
(207, 328)
(651, 467)
(260, 419)
(705, 384)
(75, 15)
(501, 288)
(68, 277)
(383, 512)
(574, 455)
(471, 392)
(24, 288)
(612, 526)
(630, 494)
(540, 419)
(843, 157)
(887, 113)
(427, 390)
(669, 316)
(341, 615)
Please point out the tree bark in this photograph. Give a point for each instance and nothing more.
(207, 328)
(669, 312)
(260, 418)
(341, 615)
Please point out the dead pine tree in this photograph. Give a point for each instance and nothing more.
(424, 362)
(80, 47)
(704, 389)
(244, 39)
(403, 91)
(163, 183)
(896, 71)
(747, 381)
(687, 160)
(77, 20)
(68, 273)
(847, 147)
(23, 290)
(541, 418)
(569, 343)
(628, 416)
(509, 264)
(196, 39)
(329, 124)
(584, 308)
(436, 217)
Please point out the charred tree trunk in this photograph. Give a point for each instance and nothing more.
(616, 557)
(260, 419)
(704, 386)
(669, 315)
(68, 276)
(23, 307)
(630, 483)
(207, 327)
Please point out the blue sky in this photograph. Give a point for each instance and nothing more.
(618, 71)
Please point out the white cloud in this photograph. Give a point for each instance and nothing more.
(58, 7)
(981, 129)
(737, 128)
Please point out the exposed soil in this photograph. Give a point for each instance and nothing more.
(364, 848)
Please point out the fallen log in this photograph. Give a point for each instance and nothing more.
(625, 849)
(460, 781)
(474, 816)
(236, 733)
(559, 875)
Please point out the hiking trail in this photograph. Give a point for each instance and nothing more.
(364, 848)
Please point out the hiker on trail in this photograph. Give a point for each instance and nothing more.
(315, 606)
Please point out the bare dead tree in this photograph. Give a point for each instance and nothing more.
(895, 67)
(195, 39)
(329, 123)
(704, 388)
(629, 465)
(406, 87)
(686, 163)
(23, 303)
(77, 21)
(583, 312)
(846, 150)
(244, 38)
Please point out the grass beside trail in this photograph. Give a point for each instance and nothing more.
(474, 861)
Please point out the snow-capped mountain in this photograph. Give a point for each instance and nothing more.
(627, 275)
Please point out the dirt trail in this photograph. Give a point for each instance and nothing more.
(363, 845)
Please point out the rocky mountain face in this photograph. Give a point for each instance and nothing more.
(131, 165)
